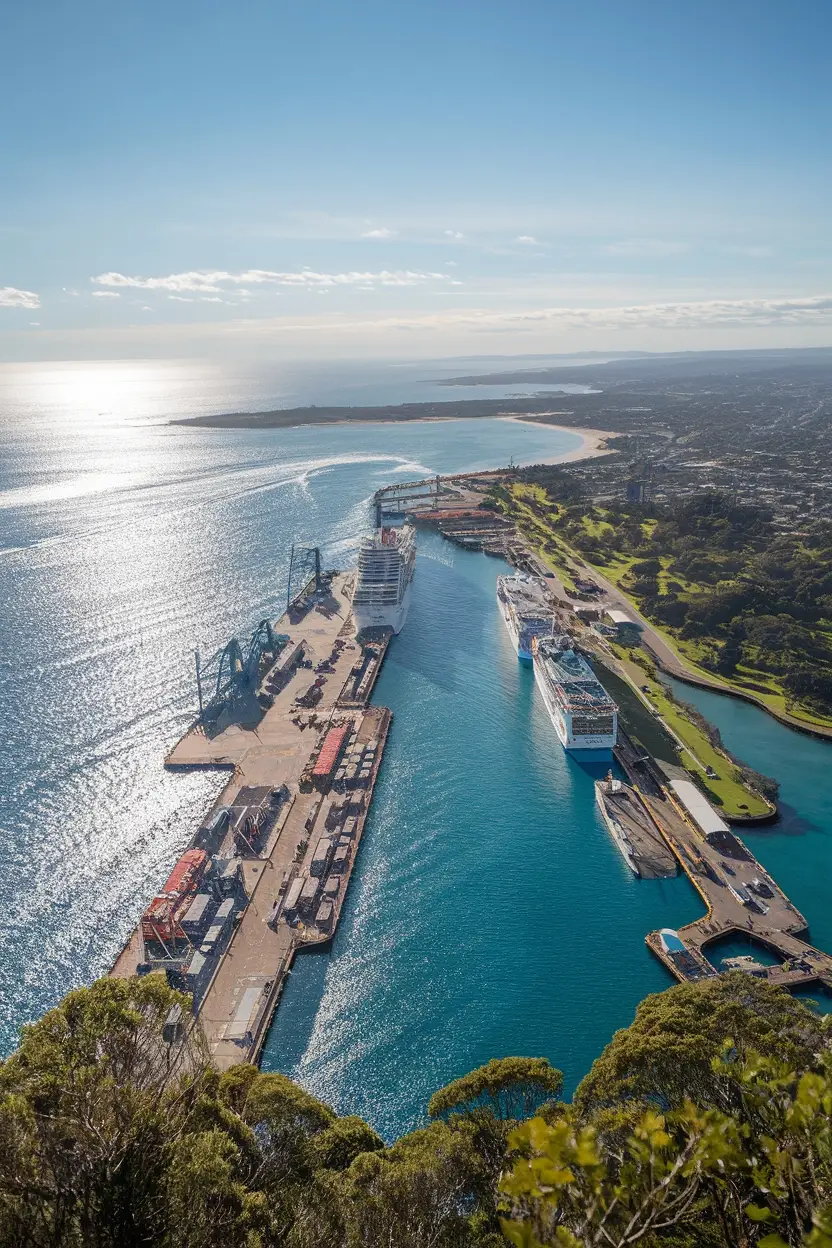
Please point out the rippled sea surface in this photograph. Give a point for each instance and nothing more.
(124, 544)
(489, 913)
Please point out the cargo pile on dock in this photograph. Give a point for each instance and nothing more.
(269, 866)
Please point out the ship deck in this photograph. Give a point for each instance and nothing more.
(651, 853)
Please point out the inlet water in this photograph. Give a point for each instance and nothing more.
(490, 913)
(797, 849)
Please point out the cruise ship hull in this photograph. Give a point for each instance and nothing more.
(511, 628)
(597, 747)
(368, 615)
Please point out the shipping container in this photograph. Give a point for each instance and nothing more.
(293, 895)
(330, 752)
(324, 916)
(198, 915)
(340, 860)
(308, 894)
(320, 858)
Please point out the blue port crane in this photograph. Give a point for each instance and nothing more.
(232, 671)
(304, 566)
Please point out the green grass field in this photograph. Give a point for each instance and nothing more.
(735, 799)
(762, 685)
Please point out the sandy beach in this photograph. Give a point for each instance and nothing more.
(594, 441)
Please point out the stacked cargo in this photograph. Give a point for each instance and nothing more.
(340, 860)
(320, 858)
(308, 895)
(198, 916)
(323, 918)
(162, 920)
(330, 753)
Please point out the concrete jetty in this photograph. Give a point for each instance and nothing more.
(740, 897)
(304, 762)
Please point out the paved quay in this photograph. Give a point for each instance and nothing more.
(268, 751)
(729, 879)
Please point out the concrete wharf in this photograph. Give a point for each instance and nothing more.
(265, 750)
(723, 871)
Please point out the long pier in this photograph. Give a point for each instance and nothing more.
(270, 743)
(740, 897)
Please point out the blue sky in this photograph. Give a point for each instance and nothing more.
(323, 177)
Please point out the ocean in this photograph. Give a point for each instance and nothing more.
(490, 912)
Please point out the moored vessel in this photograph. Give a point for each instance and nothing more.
(525, 611)
(583, 713)
(386, 563)
(607, 794)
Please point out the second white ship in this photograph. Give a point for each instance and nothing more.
(526, 612)
(583, 713)
(386, 563)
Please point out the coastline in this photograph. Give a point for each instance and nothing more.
(594, 442)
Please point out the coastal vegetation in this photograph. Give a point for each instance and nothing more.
(738, 600)
(708, 1121)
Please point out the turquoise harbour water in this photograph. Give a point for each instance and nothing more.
(490, 912)
(797, 849)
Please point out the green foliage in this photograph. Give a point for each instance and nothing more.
(336, 1147)
(718, 573)
(109, 1137)
(666, 1054)
(507, 1088)
(765, 1164)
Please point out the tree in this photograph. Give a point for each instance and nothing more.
(420, 1193)
(759, 1174)
(666, 1053)
(508, 1088)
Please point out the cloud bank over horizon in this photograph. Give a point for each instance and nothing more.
(711, 324)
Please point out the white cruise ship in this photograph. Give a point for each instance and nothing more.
(526, 612)
(583, 713)
(386, 563)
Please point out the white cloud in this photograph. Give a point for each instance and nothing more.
(453, 234)
(213, 281)
(644, 248)
(381, 232)
(526, 238)
(814, 310)
(35, 323)
(711, 313)
(11, 297)
(106, 294)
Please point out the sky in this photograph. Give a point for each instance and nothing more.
(374, 178)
